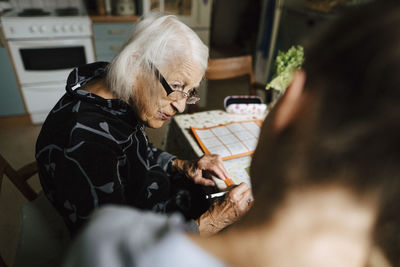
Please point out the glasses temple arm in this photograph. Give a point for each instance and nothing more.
(161, 79)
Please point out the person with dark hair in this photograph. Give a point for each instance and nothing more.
(325, 174)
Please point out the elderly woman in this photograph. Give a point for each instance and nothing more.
(93, 150)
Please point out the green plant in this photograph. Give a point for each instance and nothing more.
(285, 64)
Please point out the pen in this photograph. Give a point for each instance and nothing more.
(219, 194)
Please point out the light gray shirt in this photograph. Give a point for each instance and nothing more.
(123, 236)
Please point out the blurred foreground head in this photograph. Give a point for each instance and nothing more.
(337, 128)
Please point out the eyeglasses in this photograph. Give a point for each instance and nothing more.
(192, 96)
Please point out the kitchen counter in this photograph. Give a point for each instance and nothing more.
(107, 19)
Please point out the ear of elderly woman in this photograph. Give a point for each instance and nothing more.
(92, 149)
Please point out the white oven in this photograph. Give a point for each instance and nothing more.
(46, 61)
(44, 49)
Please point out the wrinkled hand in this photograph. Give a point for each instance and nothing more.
(226, 211)
(194, 169)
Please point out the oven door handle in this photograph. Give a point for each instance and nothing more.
(46, 44)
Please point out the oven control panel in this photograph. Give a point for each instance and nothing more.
(17, 28)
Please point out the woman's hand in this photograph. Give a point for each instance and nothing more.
(194, 169)
(227, 211)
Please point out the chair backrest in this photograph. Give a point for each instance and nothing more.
(19, 177)
(231, 67)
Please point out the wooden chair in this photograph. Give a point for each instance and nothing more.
(19, 177)
(228, 68)
(39, 221)
(232, 67)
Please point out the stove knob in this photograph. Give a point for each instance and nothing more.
(74, 28)
(43, 28)
(65, 28)
(81, 28)
(33, 29)
(56, 28)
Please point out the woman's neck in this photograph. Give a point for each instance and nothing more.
(99, 87)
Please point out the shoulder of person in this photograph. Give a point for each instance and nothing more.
(122, 233)
(131, 224)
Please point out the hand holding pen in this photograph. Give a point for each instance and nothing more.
(232, 205)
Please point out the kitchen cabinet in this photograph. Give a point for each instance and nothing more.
(194, 13)
(298, 24)
(10, 98)
(109, 38)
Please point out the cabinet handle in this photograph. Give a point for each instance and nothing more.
(115, 47)
(2, 40)
(117, 31)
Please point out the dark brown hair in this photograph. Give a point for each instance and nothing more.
(349, 132)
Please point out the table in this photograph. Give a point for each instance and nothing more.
(182, 143)
(180, 140)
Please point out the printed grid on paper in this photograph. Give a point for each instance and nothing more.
(229, 140)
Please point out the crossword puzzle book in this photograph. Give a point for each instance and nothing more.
(231, 140)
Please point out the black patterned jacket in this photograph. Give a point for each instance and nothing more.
(93, 151)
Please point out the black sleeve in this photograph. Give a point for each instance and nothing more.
(160, 157)
(79, 179)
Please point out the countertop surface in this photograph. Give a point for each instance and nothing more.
(111, 18)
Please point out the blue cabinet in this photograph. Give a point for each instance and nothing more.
(109, 38)
(10, 98)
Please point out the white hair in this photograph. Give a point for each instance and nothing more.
(159, 41)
